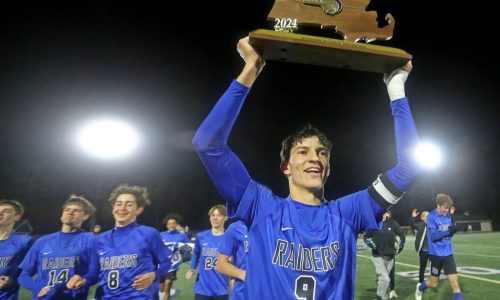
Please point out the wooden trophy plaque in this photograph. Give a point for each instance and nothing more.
(348, 18)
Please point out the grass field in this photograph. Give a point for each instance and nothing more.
(476, 255)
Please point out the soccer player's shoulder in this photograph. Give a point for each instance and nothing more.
(362, 194)
(432, 214)
(238, 226)
(88, 236)
(47, 237)
(232, 227)
(21, 240)
(103, 237)
(146, 230)
(204, 233)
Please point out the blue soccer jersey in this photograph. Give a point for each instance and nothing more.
(173, 240)
(55, 258)
(236, 245)
(12, 252)
(300, 251)
(437, 223)
(206, 249)
(125, 253)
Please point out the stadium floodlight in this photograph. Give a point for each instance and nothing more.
(428, 155)
(108, 139)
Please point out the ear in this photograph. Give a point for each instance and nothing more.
(140, 210)
(284, 168)
(86, 217)
(17, 218)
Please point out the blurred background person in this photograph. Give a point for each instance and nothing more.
(385, 246)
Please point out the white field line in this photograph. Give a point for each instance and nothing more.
(461, 275)
(481, 255)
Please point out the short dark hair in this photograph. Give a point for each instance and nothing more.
(141, 194)
(173, 216)
(293, 139)
(18, 207)
(87, 206)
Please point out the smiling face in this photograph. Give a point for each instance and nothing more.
(172, 225)
(126, 210)
(308, 166)
(217, 219)
(443, 209)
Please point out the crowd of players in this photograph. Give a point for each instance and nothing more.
(66, 263)
(125, 262)
(299, 247)
(131, 261)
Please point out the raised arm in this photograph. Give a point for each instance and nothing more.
(404, 173)
(389, 187)
(413, 220)
(254, 63)
(224, 167)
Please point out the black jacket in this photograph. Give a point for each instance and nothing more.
(420, 227)
(385, 239)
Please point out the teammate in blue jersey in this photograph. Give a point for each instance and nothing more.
(210, 284)
(173, 239)
(132, 257)
(65, 261)
(441, 228)
(302, 246)
(13, 248)
(232, 260)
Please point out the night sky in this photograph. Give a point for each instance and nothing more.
(162, 67)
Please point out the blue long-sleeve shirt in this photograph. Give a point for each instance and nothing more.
(206, 249)
(126, 252)
(55, 258)
(439, 236)
(12, 252)
(297, 245)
